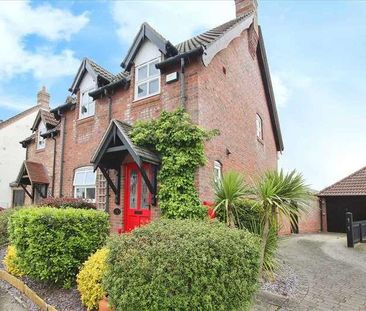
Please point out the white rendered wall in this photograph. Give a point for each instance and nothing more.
(12, 154)
(148, 51)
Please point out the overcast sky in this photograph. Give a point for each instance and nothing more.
(316, 52)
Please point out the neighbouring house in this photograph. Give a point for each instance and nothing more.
(346, 195)
(12, 154)
(221, 77)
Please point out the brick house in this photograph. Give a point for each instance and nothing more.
(220, 77)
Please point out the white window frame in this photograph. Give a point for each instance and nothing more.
(90, 103)
(41, 142)
(84, 170)
(259, 126)
(147, 80)
(217, 175)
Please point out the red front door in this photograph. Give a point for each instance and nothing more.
(137, 197)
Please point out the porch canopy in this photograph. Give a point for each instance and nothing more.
(115, 145)
(33, 174)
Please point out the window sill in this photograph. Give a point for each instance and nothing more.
(85, 120)
(40, 150)
(261, 141)
(146, 100)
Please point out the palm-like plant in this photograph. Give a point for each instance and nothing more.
(280, 193)
(228, 192)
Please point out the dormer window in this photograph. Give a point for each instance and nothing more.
(147, 79)
(87, 104)
(41, 142)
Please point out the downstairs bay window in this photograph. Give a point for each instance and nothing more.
(84, 183)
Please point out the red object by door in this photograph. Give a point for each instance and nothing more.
(137, 197)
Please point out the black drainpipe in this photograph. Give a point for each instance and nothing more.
(26, 152)
(109, 120)
(180, 59)
(182, 84)
(62, 155)
(54, 165)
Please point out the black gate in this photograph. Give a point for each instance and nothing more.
(356, 230)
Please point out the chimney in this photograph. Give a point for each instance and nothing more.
(43, 98)
(245, 6)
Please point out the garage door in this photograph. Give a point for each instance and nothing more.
(337, 208)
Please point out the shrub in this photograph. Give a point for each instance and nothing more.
(182, 265)
(53, 243)
(251, 217)
(180, 143)
(66, 203)
(10, 261)
(249, 214)
(89, 279)
(4, 220)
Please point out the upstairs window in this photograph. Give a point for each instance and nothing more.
(217, 172)
(84, 184)
(87, 104)
(41, 142)
(259, 125)
(147, 79)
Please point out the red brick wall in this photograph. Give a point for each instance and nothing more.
(309, 222)
(229, 102)
(45, 156)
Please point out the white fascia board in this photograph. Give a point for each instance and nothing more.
(222, 43)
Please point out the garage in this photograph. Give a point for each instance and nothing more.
(346, 195)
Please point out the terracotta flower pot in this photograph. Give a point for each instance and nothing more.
(103, 305)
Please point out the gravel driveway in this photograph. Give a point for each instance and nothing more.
(333, 276)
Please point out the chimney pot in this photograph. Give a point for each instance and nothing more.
(245, 6)
(43, 98)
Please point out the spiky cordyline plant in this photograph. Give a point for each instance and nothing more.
(228, 192)
(280, 193)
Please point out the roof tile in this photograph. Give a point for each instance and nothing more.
(210, 36)
(101, 71)
(352, 185)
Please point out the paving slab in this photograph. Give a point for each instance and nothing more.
(9, 303)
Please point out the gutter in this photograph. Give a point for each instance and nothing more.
(107, 87)
(57, 112)
(177, 59)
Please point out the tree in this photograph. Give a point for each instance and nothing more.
(282, 194)
(229, 191)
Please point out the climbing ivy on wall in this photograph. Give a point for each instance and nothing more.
(181, 146)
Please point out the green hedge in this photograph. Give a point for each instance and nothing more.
(182, 265)
(4, 220)
(53, 243)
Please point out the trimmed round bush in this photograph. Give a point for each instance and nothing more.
(53, 243)
(89, 279)
(182, 265)
(10, 261)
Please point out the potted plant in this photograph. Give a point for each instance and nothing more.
(104, 305)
